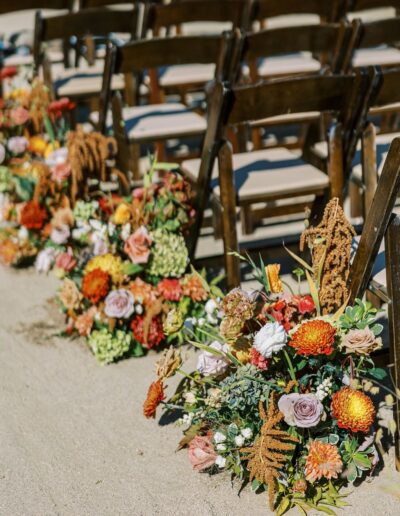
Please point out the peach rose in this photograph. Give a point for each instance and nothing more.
(60, 172)
(201, 453)
(137, 246)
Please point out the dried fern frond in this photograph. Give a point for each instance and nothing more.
(330, 245)
(270, 452)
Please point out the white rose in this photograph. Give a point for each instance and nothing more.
(247, 433)
(220, 461)
(239, 440)
(219, 437)
(270, 339)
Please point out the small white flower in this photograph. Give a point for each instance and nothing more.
(45, 259)
(126, 231)
(220, 461)
(139, 309)
(111, 229)
(210, 306)
(247, 433)
(221, 447)
(189, 397)
(23, 234)
(201, 321)
(98, 226)
(219, 437)
(239, 440)
(270, 339)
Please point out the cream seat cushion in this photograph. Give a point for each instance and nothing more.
(289, 64)
(186, 74)
(382, 55)
(158, 121)
(383, 142)
(266, 173)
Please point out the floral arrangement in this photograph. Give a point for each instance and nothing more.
(282, 394)
(126, 285)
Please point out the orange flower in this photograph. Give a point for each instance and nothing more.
(323, 460)
(32, 215)
(144, 293)
(155, 395)
(313, 338)
(8, 251)
(95, 285)
(353, 410)
(193, 288)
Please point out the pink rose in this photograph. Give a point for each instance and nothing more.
(137, 246)
(201, 453)
(19, 115)
(60, 172)
(66, 261)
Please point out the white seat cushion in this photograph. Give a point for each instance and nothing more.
(383, 142)
(290, 118)
(186, 74)
(383, 56)
(85, 84)
(267, 173)
(158, 121)
(18, 59)
(289, 64)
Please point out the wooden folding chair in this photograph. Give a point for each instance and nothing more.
(82, 82)
(160, 20)
(270, 175)
(137, 125)
(377, 267)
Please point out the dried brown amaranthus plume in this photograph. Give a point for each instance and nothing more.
(168, 363)
(87, 155)
(330, 245)
(37, 103)
(270, 451)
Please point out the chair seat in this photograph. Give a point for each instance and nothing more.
(72, 82)
(266, 174)
(289, 64)
(158, 121)
(383, 56)
(19, 59)
(186, 74)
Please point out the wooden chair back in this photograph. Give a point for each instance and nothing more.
(332, 43)
(339, 94)
(328, 10)
(89, 22)
(159, 17)
(354, 6)
(376, 223)
(9, 6)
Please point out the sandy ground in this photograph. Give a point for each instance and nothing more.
(73, 440)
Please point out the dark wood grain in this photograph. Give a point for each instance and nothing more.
(9, 6)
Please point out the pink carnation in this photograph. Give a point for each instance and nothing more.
(66, 261)
(258, 360)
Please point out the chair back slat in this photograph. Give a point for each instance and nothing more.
(327, 9)
(376, 222)
(389, 91)
(292, 95)
(90, 22)
(380, 32)
(160, 52)
(364, 5)
(90, 4)
(9, 6)
(163, 16)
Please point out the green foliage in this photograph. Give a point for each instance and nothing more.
(360, 316)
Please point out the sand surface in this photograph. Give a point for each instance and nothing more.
(73, 440)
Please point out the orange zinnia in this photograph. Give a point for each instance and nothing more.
(95, 285)
(353, 410)
(313, 338)
(323, 460)
(193, 287)
(155, 395)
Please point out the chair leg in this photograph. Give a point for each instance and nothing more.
(335, 166)
(247, 219)
(228, 202)
(369, 169)
(356, 200)
(134, 164)
(392, 253)
(216, 218)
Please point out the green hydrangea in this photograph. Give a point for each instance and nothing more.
(169, 255)
(108, 347)
(85, 210)
(5, 179)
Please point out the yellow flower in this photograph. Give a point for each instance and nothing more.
(122, 214)
(50, 147)
(241, 350)
(38, 145)
(353, 410)
(272, 272)
(113, 265)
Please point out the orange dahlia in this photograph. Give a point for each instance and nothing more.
(155, 395)
(353, 410)
(95, 285)
(323, 460)
(192, 287)
(32, 215)
(313, 338)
